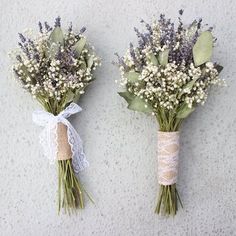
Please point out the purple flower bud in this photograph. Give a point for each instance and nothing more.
(18, 57)
(22, 38)
(40, 27)
(83, 29)
(58, 22)
(47, 26)
(181, 11)
(70, 28)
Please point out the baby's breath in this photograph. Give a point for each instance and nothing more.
(49, 78)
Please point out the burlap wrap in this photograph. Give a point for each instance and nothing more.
(63, 146)
(168, 154)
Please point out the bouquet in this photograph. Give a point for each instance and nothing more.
(56, 67)
(169, 74)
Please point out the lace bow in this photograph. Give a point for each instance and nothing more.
(48, 136)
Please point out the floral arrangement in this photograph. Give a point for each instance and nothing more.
(56, 67)
(168, 75)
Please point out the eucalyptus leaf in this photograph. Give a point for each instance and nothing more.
(76, 96)
(69, 97)
(152, 58)
(83, 65)
(184, 111)
(132, 76)
(53, 50)
(127, 96)
(188, 87)
(79, 46)
(90, 61)
(138, 104)
(202, 50)
(57, 36)
(191, 30)
(163, 57)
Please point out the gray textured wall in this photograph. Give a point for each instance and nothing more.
(120, 145)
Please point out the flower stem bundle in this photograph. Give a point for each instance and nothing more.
(168, 75)
(56, 67)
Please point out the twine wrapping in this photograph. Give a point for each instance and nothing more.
(59, 139)
(168, 155)
(63, 146)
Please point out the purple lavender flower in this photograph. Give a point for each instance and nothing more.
(70, 28)
(22, 38)
(58, 22)
(47, 26)
(181, 11)
(18, 57)
(25, 49)
(121, 61)
(83, 29)
(40, 27)
(171, 36)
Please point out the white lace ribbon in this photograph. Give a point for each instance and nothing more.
(168, 157)
(48, 136)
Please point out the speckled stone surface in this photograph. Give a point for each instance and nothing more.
(121, 145)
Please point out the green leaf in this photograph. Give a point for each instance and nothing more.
(53, 50)
(202, 50)
(56, 39)
(132, 76)
(77, 96)
(57, 36)
(184, 111)
(219, 68)
(70, 96)
(188, 86)
(191, 30)
(135, 103)
(163, 57)
(90, 61)
(83, 65)
(79, 46)
(152, 58)
(138, 104)
(127, 96)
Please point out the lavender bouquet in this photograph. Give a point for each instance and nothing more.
(56, 67)
(168, 75)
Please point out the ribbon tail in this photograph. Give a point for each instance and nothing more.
(79, 160)
(48, 141)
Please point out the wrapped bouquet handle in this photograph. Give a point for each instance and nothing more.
(59, 139)
(168, 157)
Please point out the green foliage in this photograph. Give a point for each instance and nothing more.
(202, 50)
(138, 104)
(163, 57)
(127, 96)
(79, 46)
(135, 103)
(57, 36)
(152, 58)
(132, 76)
(56, 39)
(90, 62)
(184, 111)
(188, 86)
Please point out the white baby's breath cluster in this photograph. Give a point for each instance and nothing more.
(176, 82)
(54, 71)
(167, 86)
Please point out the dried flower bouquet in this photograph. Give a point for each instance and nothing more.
(56, 67)
(169, 74)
